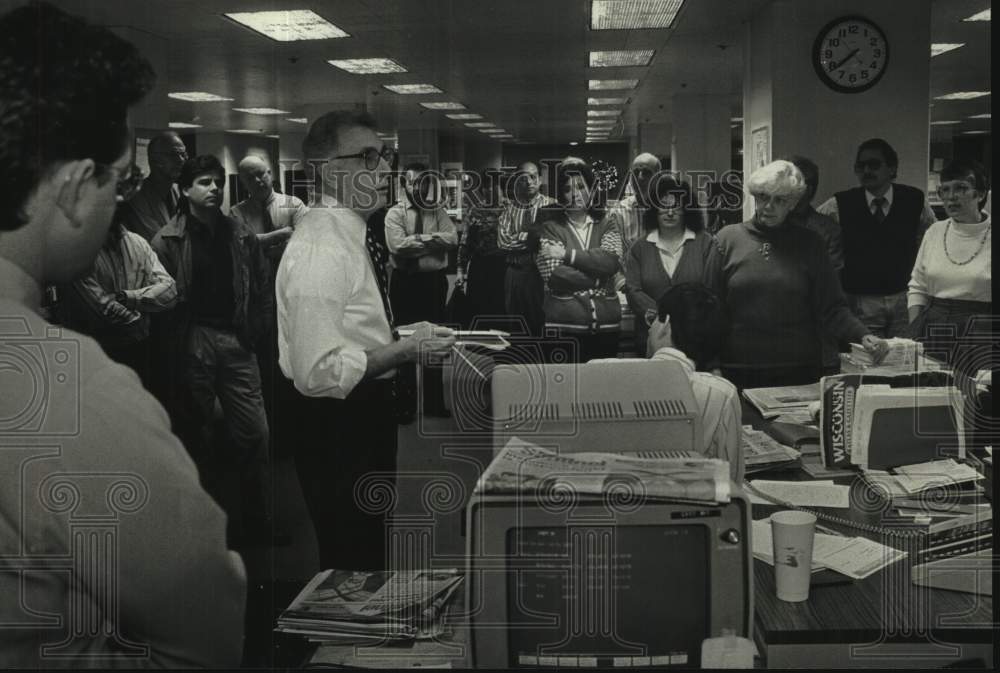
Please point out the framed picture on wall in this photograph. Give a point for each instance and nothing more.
(760, 147)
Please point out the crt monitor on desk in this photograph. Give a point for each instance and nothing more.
(630, 406)
(584, 581)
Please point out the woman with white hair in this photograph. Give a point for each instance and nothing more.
(780, 289)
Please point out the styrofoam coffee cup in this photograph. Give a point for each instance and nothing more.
(792, 534)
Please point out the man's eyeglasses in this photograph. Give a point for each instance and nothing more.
(870, 164)
(372, 156)
(957, 189)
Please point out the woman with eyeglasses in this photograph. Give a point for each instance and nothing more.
(951, 282)
(579, 253)
(675, 249)
(778, 284)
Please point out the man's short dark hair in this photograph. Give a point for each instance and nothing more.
(958, 169)
(698, 324)
(323, 138)
(881, 146)
(416, 167)
(195, 166)
(810, 172)
(66, 87)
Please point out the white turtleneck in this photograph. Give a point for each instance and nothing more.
(935, 275)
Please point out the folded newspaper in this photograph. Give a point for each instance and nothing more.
(357, 606)
(772, 402)
(521, 467)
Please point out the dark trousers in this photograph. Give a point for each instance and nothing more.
(138, 356)
(337, 443)
(768, 377)
(525, 293)
(218, 367)
(415, 297)
(564, 347)
(957, 332)
(486, 292)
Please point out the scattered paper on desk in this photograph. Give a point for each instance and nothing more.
(859, 557)
(856, 557)
(759, 448)
(806, 493)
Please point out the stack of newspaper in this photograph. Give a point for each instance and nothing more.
(761, 451)
(774, 402)
(345, 606)
(522, 467)
(901, 353)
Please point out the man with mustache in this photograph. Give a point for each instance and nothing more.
(882, 225)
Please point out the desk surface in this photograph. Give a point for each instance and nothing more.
(882, 621)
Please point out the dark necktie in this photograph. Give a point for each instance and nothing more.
(878, 203)
(266, 221)
(379, 257)
(418, 228)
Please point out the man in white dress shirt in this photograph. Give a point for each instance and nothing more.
(338, 344)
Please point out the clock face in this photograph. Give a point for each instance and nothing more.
(850, 54)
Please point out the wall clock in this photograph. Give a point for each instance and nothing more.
(850, 54)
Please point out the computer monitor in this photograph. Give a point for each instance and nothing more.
(631, 406)
(584, 581)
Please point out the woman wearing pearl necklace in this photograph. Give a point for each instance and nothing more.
(950, 296)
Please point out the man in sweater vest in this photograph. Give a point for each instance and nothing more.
(882, 224)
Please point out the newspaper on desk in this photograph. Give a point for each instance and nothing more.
(354, 606)
(760, 449)
(522, 467)
(782, 400)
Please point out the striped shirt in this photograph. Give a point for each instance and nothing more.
(719, 404)
(512, 230)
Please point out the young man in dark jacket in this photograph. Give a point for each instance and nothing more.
(224, 307)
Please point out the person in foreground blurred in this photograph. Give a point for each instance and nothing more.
(111, 553)
(780, 290)
(675, 249)
(580, 252)
(690, 328)
(950, 299)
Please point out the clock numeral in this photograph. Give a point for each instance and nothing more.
(831, 66)
(852, 29)
(828, 53)
(833, 42)
(842, 32)
(874, 65)
(877, 53)
(873, 42)
(841, 73)
(864, 74)
(853, 78)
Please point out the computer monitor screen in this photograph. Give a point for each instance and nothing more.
(600, 596)
(580, 581)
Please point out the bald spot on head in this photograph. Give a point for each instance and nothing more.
(163, 141)
(646, 160)
(250, 163)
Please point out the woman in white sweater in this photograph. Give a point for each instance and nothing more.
(950, 295)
